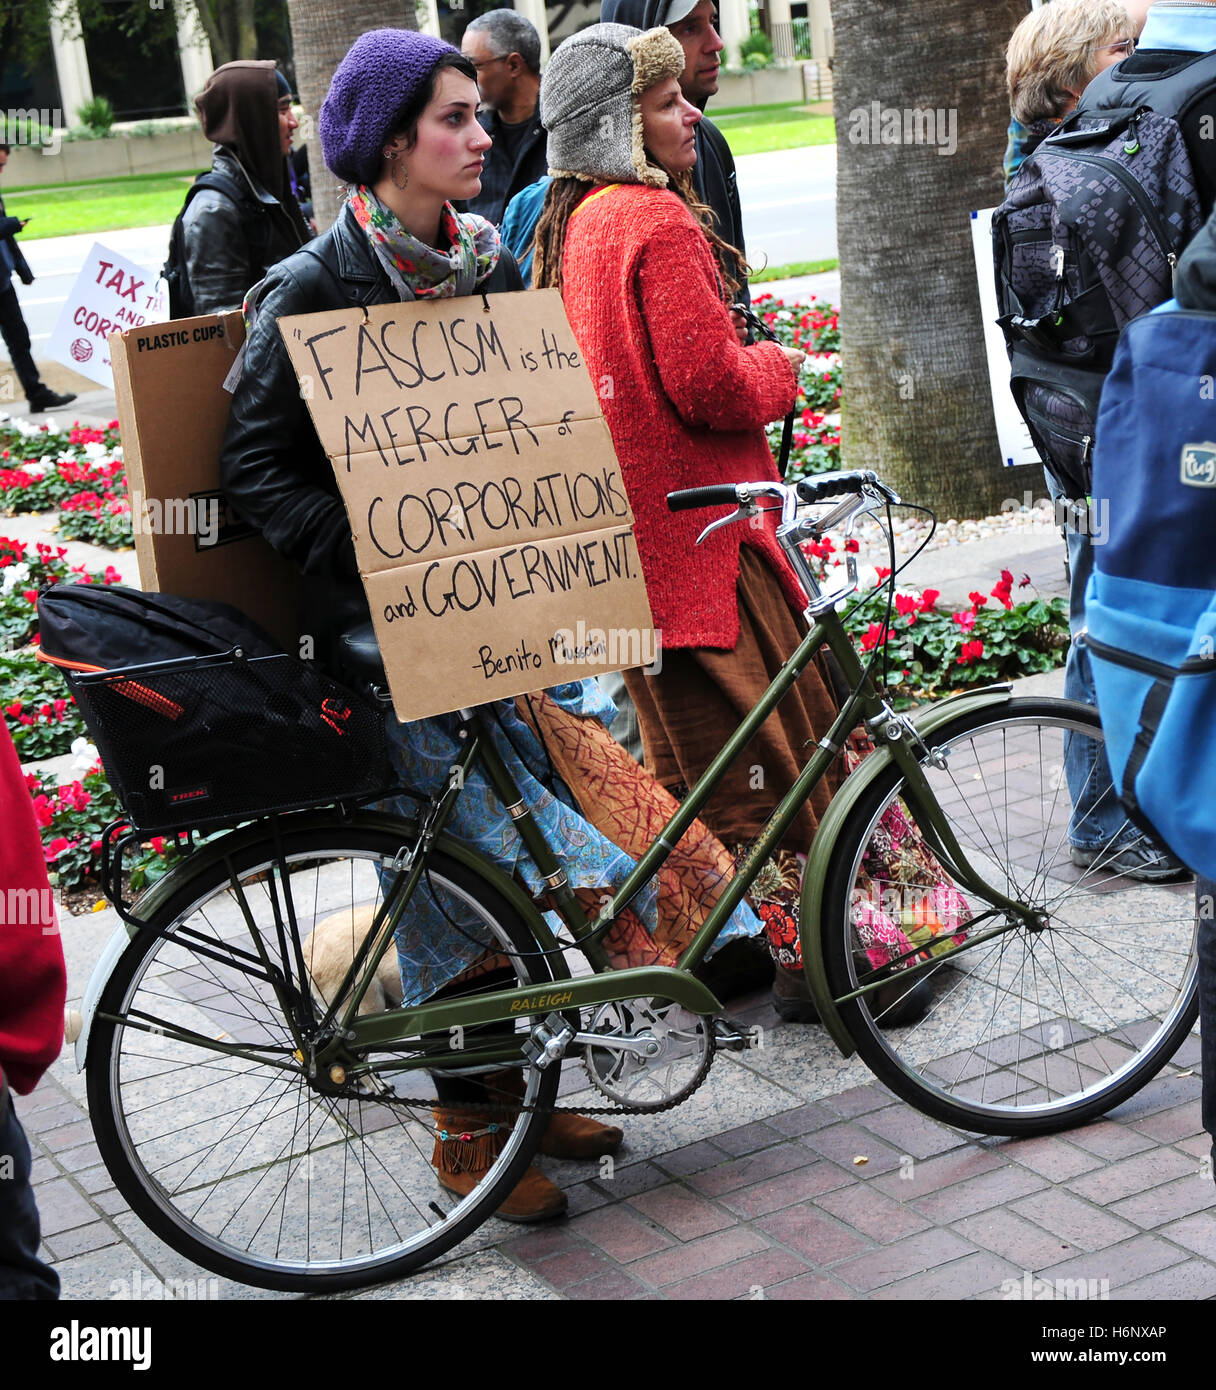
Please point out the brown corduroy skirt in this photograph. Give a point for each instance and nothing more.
(690, 708)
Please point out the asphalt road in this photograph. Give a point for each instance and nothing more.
(789, 213)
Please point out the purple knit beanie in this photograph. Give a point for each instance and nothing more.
(376, 79)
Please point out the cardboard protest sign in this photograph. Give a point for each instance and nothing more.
(173, 409)
(490, 520)
(111, 295)
(1016, 445)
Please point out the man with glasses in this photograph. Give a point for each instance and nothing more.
(505, 49)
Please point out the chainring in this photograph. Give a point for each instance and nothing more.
(679, 1052)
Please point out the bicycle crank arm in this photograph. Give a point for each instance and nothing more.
(646, 982)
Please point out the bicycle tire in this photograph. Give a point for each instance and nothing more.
(1098, 1000)
(239, 1163)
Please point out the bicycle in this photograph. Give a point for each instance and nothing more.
(286, 1142)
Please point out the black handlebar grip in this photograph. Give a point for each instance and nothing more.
(718, 495)
(815, 490)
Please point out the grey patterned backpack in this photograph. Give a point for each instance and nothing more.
(1085, 241)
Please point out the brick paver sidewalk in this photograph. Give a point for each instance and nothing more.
(851, 1196)
(790, 1175)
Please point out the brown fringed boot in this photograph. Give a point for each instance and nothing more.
(466, 1143)
(568, 1136)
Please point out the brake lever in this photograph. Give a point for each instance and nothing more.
(744, 509)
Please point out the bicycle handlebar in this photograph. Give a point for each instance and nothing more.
(716, 495)
(815, 489)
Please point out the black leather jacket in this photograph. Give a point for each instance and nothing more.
(273, 468)
(229, 248)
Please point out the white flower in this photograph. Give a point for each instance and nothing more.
(94, 451)
(36, 470)
(13, 575)
(85, 760)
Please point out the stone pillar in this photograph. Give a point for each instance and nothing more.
(71, 63)
(426, 12)
(734, 25)
(781, 30)
(197, 62)
(536, 13)
(820, 15)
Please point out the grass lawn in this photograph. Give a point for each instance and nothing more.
(765, 128)
(139, 200)
(790, 270)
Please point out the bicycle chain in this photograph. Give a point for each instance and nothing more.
(434, 1103)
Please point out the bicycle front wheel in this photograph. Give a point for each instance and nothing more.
(1030, 1023)
(201, 1101)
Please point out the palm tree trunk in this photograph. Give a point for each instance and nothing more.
(321, 33)
(921, 120)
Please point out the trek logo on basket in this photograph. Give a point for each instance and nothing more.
(1199, 465)
(180, 798)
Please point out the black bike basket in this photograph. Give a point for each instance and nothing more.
(211, 740)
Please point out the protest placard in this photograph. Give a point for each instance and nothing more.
(490, 521)
(111, 295)
(169, 386)
(1017, 447)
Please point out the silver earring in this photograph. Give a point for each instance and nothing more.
(403, 181)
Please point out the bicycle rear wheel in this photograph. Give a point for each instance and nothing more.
(236, 1159)
(1035, 1028)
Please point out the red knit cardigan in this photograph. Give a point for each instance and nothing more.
(32, 978)
(684, 401)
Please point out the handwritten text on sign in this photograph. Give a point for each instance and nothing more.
(488, 511)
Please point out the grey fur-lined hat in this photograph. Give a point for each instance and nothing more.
(589, 102)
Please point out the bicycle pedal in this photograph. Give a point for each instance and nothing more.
(729, 1037)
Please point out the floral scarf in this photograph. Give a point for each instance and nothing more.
(419, 271)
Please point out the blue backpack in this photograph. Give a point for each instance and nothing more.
(1150, 607)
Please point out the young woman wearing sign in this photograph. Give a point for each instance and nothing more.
(399, 127)
(646, 284)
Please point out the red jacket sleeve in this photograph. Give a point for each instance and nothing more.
(33, 981)
(712, 381)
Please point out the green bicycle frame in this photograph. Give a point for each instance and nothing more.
(901, 741)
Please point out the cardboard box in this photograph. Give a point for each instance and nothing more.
(490, 519)
(173, 409)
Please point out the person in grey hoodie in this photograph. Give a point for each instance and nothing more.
(713, 175)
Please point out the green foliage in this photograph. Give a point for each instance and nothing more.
(97, 115)
(40, 713)
(757, 45)
(71, 819)
(931, 652)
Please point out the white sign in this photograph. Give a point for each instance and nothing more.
(111, 294)
(1016, 445)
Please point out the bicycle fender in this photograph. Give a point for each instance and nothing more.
(202, 860)
(111, 953)
(823, 849)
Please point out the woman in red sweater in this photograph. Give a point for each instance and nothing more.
(646, 284)
(32, 988)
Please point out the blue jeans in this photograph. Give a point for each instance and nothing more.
(22, 1273)
(1205, 891)
(1097, 817)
